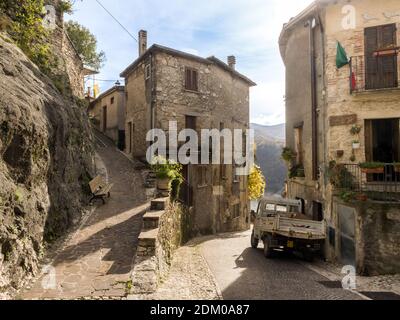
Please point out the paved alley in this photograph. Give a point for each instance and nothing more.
(226, 267)
(97, 260)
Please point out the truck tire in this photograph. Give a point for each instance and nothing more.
(254, 241)
(268, 251)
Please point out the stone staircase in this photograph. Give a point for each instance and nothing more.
(151, 222)
(146, 271)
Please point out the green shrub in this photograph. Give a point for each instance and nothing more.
(288, 154)
(171, 170)
(26, 29)
(372, 165)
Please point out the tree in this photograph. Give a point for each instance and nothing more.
(86, 45)
(256, 183)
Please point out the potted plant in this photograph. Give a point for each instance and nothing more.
(166, 172)
(288, 155)
(372, 167)
(356, 144)
(356, 129)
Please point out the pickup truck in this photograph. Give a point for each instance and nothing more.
(281, 226)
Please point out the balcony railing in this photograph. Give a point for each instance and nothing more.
(381, 73)
(380, 184)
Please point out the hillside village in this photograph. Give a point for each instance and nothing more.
(85, 214)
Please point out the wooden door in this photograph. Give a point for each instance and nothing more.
(130, 132)
(104, 119)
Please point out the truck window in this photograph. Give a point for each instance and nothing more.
(281, 208)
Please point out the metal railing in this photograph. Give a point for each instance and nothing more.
(382, 183)
(360, 81)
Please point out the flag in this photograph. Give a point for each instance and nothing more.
(353, 81)
(341, 56)
(96, 90)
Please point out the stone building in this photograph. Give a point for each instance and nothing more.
(342, 121)
(62, 46)
(108, 114)
(165, 85)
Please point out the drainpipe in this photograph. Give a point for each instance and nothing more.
(314, 104)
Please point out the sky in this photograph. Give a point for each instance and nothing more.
(248, 29)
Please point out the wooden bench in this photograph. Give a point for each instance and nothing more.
(100, 189)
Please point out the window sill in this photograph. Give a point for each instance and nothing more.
(191, 91)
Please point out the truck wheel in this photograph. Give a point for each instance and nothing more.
(268, 252)
(254, 241)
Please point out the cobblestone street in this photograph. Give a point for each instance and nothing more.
(97, 260)
(242, 273)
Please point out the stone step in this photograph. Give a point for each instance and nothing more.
(151, 219)
(159, 204)
(147, 242)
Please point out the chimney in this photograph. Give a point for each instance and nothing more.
(142, 42)
(232, 62)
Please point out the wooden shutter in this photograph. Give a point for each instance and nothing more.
(194, 80)
(191, 79)
(369, 145)
(371, 62)
(396, 140)
(380, 72)
(388, 64)
(188, 78)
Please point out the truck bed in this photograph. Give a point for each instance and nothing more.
(294, 228)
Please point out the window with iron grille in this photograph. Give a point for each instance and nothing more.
(191, 79)
(380, 67)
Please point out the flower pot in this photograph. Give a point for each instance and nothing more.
(362, 197)
(356, 145)
(163, 184)
(373, 170)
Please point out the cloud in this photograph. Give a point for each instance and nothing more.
(248, 29)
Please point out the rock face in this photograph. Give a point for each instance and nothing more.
(46, 160)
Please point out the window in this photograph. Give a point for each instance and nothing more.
(147, 72)
(112, 100)
(380, 69)
(298, 139)
(191, 79)
(236, 211)
(202, 176)
(104, 118)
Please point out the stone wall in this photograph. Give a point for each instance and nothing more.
(165, 227)
(221, 101)
(69, 74)
(138, 108)
(377, 236)
(46, 161)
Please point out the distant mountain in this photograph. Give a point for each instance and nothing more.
(270, 140)
(273, 133)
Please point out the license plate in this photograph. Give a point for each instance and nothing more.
(290, 244)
